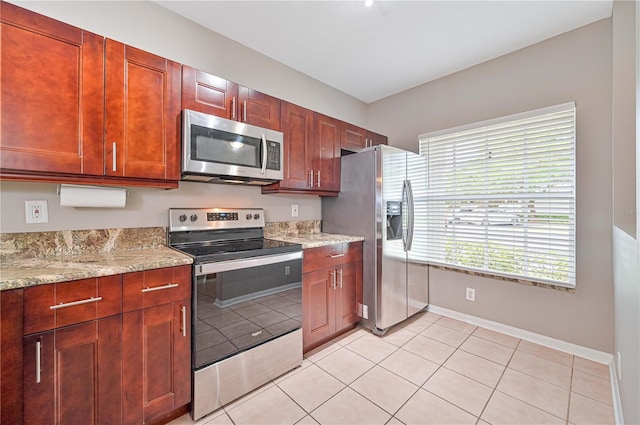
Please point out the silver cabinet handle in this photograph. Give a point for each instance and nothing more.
(159, 288)
(337, 255)
(233, 108)
(114, 168)
(244, 111)
(366, 142)
(340, 278)
(184, 320)
(310, 178)
(264, 154)
(71, 304)
(333, 279)
(318, 174)
(38, 369)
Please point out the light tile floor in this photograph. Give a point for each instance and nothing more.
(429, 370)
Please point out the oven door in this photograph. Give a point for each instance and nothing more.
(239, 304)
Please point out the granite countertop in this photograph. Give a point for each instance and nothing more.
(38, 258)
(314, 240)
(21, 273)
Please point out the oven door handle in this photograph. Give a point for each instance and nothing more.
(242, 263)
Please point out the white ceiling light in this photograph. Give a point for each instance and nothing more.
(368, 3)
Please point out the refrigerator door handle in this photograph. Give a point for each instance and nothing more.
(405, 226)
(411, 218)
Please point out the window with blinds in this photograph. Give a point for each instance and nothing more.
(500, 196)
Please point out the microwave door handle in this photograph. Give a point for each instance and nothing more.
(264, 154)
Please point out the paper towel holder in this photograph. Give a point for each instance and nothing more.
(81, 196)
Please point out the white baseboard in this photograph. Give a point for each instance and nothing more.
(615, 394)
(567, 347)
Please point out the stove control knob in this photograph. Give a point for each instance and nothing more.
(256, 216)
(248, 217)
(182, 218)
(194, 217)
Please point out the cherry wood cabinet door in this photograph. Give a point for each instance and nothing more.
(11, 359)
(349, 276)
(209, 94)
(326, 153)
(376, 139)
(259, 109)
(72, 375)
(352, 138)
(142, 114)
(156, 365)
(52, 95)
(297, 126)
(318, 306)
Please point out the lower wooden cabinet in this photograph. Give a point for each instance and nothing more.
(156, 367)
(72, 374)
(108, 350)
(331, 287)
(156, 343)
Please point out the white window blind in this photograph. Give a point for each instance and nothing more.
(500, 196)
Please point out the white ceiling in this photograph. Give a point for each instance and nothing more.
(374, 52)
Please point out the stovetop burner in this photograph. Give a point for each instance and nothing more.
(229, 250)
(219, 234)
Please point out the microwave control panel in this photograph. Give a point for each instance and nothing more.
(273, 155)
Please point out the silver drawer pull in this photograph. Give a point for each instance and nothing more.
(71, 304)
(38, 369)
(337, 255)
(158, 288)
(183, 310)
(340, 277)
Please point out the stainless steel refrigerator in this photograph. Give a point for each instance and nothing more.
(382, 189)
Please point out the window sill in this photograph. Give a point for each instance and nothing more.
(505, 278)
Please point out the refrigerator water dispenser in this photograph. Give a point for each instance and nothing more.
(394, 220)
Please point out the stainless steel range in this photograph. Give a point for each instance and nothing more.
(247, 302)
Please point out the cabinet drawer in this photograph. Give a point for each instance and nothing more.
(60, 304)
(331, 256)
(322, 257)
(156, 287)
(352, 252)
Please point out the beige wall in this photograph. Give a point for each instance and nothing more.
(626, 246)
(575, 66)
(150, 27)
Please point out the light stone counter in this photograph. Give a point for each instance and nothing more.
(306, 233)
(28, 259)
(314, 240)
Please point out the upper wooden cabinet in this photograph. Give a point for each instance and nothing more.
(213, 95)
(311, 153)
(354, 138)
(55, 96)
(142, 114)
(52, 95)
(374, 139)
(326, 153)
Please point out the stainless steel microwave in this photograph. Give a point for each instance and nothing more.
(218, 150)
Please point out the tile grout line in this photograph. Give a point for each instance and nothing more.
(493, 391)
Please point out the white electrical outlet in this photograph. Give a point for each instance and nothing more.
(36, 212)
(471, 294)
(294, 210)
(365, 311)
